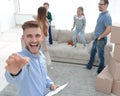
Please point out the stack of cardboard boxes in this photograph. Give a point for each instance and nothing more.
(108, 81)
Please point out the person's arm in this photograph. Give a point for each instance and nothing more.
(105, 33)
(84, 24)
(16, 74)
(73, 24)
(14, 67)
(45, 46)
(12, 78)
(44, 42)
(50, 84)
(108, 24)
(49, 17)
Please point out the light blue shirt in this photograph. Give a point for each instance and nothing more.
(33, 79)
(103, 21)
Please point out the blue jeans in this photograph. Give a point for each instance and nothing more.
(50, 35)
(97, 46)
(82, 37)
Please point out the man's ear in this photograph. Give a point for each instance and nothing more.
(22, 37)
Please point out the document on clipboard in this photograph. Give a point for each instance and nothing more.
(51, 93)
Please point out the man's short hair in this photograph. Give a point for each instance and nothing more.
(106, 2)
(30, 24)
(46, 3)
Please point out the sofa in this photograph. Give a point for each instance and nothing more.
(60, 51)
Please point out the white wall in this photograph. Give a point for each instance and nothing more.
(65, 10)
(20, 18)
(6, 15)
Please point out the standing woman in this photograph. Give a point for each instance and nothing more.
(41, 17)
(79, 23)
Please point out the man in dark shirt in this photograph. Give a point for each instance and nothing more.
(49, 17)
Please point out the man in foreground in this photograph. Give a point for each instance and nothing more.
(27, 69)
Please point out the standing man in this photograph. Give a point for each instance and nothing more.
(49, 17)
(102, 29)
(27, 69)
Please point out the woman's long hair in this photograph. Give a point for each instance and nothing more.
(41, 17)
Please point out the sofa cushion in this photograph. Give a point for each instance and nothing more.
(62, 50)
(55, 34)
(64, 36)
(89, 37)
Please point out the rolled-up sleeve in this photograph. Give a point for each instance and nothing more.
(14, 79)
(49, 82)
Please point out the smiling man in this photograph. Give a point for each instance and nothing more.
(27, 69)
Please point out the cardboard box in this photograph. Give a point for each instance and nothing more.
(116, 52)
(104, 81)
(115, 34)
(114, 67)
(116, 88)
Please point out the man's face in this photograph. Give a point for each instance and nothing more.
(102, 6)
(32, 38)
(46, 6)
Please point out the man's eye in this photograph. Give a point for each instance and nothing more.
(38, 35)
(29, 36)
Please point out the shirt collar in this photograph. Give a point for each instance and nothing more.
(28, 53)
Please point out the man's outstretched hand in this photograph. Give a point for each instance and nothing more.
(15, 62)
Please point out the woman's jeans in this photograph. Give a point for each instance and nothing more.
(82, 37)
(98, 45)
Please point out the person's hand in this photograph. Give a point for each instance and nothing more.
(15, 63)
(54, 87)
(98, 38)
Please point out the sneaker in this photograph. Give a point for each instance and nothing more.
(99, 71)
(87, 67)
